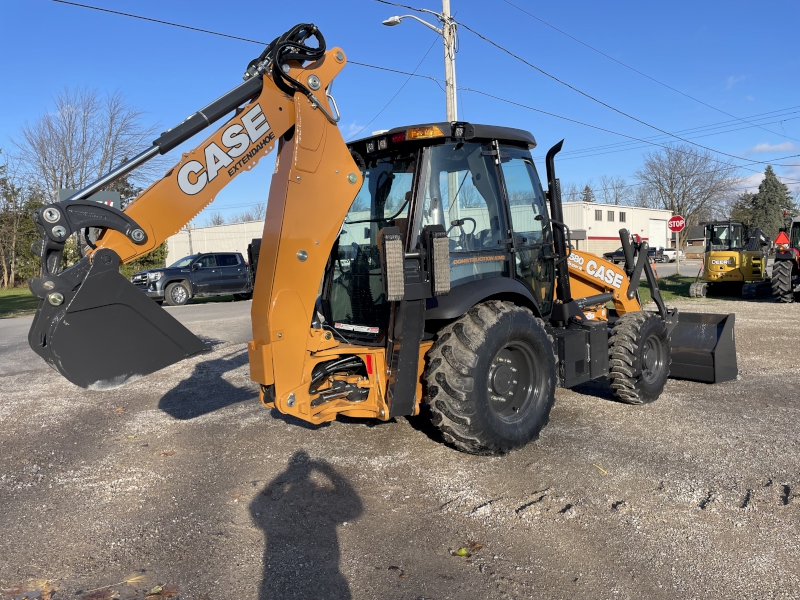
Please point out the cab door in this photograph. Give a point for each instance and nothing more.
(530, 223)
(206, 274)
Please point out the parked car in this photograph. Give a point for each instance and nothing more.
(670, 254)
(618, 256)
(196, 275)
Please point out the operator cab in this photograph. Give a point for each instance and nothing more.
(477, 182)
(722, 236)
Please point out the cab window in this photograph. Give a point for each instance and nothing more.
(529, 217)
(206, 261)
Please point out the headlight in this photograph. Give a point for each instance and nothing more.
(155, 276)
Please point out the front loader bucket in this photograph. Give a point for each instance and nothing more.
(704, 348)
(98, 330)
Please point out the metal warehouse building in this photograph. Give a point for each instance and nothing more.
(595, 227)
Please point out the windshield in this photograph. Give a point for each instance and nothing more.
(357, 303)
(184, 262)
(795, 235)
(724, 237)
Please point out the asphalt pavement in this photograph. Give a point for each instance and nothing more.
(223, 321)
(183, 482)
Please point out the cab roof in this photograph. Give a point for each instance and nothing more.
(488, 132)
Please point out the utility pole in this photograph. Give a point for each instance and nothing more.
(448, 33)
(449, 36)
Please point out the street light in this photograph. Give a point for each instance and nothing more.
(447, 32)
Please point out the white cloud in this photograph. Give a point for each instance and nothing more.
(751, 182)
(350, 130)
(733, 80)
(784, 147)
(749, 98)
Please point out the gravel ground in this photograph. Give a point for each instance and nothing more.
(183, 480)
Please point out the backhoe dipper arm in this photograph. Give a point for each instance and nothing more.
(91, 300)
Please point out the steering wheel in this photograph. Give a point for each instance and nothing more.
(460, 224)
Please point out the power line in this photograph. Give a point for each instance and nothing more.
(719, 110)
(116, 12)
(436, 80)
(703, 128)
(385, 106)
(582, 153)
(544, 112)
(602, 103)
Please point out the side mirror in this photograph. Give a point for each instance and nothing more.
(538, 218)
(195, 266)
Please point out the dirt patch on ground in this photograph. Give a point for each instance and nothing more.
(184, 481)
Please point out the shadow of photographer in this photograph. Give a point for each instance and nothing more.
(299, 512)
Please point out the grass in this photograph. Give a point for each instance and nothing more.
(17, 302)
(673, 286)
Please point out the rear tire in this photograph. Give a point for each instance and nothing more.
(491, 379)
(246, 296)
(176, 294)
(782, 289)
(639, 358)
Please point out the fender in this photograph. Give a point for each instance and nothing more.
(467, 295)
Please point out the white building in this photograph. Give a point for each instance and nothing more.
(595, 227)
(232, 237)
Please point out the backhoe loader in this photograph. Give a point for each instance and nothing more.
(445, 279)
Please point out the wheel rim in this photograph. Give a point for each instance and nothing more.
(514, 380)
(653, 360)
(179, 294)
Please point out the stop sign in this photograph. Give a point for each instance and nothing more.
(676, 223)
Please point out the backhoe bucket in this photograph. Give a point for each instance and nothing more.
(98, 330)
(704, 348)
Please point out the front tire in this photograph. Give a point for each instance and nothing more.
(245, 296)
(491, 379)
(639, 358)
(782, 289)
(176, 294)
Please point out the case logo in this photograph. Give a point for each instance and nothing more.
(237, 140)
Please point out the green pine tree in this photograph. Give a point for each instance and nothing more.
(768, 204)
(587, 195)
(742, 209)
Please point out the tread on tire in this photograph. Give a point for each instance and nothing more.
(465, 373)
(782, 289)
(639, 358)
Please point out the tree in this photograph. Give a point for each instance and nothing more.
(768, 205)
(257, 212)
(17, 230)
(742, 209)
(215, 219)
(84, 137)
(615, 190)
(686, 181)
(587, 195)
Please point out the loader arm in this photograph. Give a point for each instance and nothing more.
(314, 184)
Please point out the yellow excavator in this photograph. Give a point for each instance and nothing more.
(446, 271)
(733, 261)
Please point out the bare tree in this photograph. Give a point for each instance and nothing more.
(17, 230)
(259, 211)
(686, 181)
(571, 191)
(615, 190)
(214, 219)
(84, 137)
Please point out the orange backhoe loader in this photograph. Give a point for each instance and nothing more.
(445, 278)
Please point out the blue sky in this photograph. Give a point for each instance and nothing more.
(741, 57)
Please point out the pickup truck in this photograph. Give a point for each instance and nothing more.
(618, 256)
(670, 254)
(196, 275)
